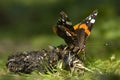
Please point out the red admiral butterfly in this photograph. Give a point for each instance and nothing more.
(75, 35)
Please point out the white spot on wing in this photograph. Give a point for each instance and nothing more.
(89, 18)
(92, 21)
(95, 14)
(68, 34)
(63, 20)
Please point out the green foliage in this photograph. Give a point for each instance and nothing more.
(105, 69)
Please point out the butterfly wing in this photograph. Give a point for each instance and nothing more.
(83, 29)
(64, 28)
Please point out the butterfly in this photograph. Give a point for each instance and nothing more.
(75, 36)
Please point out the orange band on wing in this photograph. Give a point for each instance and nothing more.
(76, 26)
(85, 27)
(87, 32)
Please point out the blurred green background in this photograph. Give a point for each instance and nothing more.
(26, 25)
